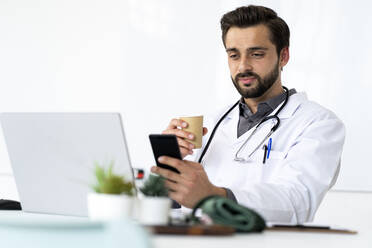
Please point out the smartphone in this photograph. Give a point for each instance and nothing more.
(165, 145)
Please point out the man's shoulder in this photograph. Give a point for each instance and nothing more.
(213, 116)
(299, 106)
(311, 108)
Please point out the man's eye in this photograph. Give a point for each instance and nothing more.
(258, 55)
(233, 56)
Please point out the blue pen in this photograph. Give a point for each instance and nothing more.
(269, 147)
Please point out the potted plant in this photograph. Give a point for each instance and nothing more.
(155, 205)
(112, 196)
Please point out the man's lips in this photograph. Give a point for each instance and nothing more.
(246, 80)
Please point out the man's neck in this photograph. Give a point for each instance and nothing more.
(275, 90)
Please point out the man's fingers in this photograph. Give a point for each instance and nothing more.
(205, 131)
(174, 186)
(174, 196)
(171, 175)
(180, 133)
(185, 152)
(185, 144)
(174, 162)
(175, 123)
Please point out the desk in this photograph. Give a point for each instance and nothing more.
(267, 239)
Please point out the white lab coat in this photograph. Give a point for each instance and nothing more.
(304, 160)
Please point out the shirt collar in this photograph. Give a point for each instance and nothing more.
(272, 103)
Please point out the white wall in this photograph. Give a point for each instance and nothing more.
(153, 60)
(351, 210)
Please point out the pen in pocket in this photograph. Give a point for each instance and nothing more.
(269, 147)
(265, 153)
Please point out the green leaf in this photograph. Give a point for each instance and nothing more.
(110, 183)
(154, 186)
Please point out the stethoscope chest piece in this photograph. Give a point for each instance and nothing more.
(261, 134)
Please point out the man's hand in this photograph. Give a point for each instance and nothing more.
(174, 127)
(191, 185)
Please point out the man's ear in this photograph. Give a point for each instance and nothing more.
(284, 57)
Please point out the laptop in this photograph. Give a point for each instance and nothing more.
(53, 157)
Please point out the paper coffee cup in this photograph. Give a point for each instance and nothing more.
(195, 126)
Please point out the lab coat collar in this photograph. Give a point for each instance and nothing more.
(294, 102)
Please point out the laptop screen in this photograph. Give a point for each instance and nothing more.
(53, 157)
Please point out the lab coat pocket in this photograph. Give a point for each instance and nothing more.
(276, 155)
(273, 164)
(262, 158)
(249, 171)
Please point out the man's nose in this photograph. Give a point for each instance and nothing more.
(245, 65)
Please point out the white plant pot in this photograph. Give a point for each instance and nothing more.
(154, 210)
(136, 208)
(105, 207)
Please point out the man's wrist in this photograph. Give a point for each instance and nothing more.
(219, 191)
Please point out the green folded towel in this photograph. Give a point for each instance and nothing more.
(226, 212)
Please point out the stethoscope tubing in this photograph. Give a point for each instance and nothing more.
(274, 128)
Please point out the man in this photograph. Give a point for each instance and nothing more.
(287, 176)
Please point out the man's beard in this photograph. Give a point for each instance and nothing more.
(262, 84)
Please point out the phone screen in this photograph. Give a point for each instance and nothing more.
(165, 145)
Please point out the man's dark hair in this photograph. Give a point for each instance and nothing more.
(252, 15)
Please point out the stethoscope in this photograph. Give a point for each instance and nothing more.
(275, 127)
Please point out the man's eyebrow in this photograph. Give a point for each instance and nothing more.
(231, 50)
(249, 49)
(257, 48)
